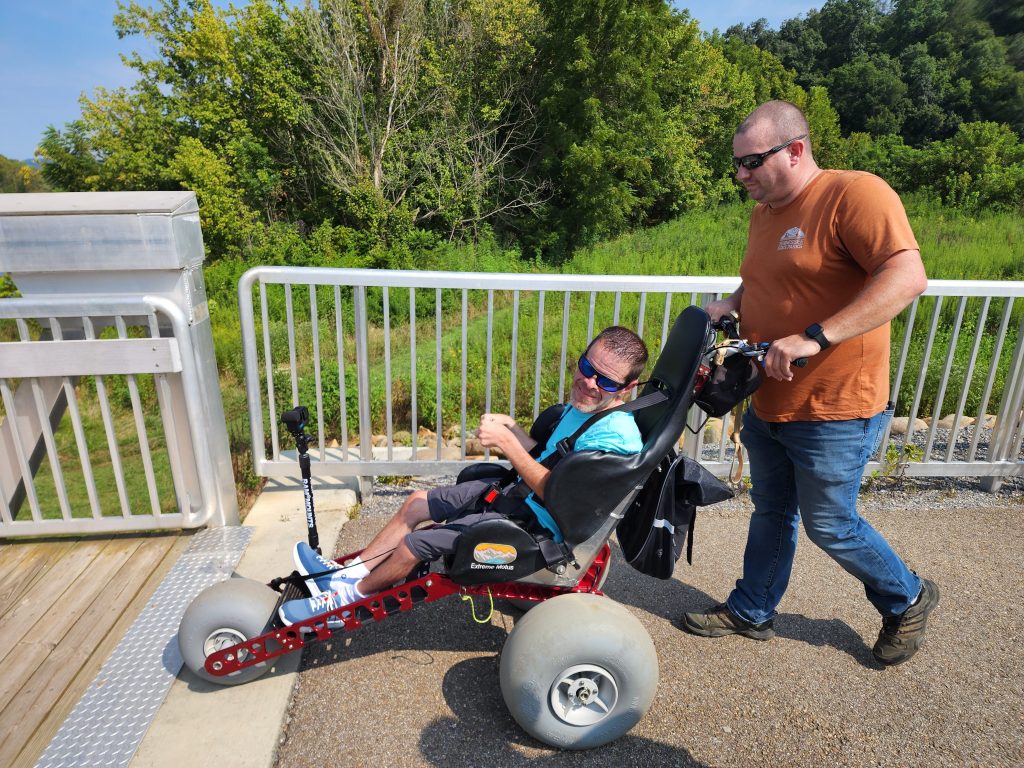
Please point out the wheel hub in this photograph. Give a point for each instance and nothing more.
(223, 638)
(584, 694)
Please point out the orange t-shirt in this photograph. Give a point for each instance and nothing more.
(804, 262)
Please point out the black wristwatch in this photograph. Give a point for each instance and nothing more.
(815, 332)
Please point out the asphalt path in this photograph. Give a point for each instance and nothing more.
(421, 688)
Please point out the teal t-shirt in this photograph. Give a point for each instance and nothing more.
(615, 433)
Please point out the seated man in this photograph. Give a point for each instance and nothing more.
(607, 371)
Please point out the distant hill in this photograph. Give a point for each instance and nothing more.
(21, 176)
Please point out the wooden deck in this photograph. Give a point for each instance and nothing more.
(64, 605)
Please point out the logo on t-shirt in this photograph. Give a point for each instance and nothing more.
(792, 238)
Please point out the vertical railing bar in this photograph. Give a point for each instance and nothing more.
(590, 317)
(617, 308)
(140, 428)
(514, 362)
(362, 373)
(389, 414)
(314, 321)
(115, 451)
(941, 396)
(44, 425)
(19, 450)
(900, 368)
(1008, 418)
(339, 334)
(170, 424)
(640, 313)
(290, 319)
(5, 494)
(490, 347)
(565, 346)
(79, 430)
(275, 446)
(538, 355)
(664, 321)
(438, 423)
(968, 378)
(464, 369)
(993, 369)
(923, 373)
(414, 417)
(721, 438)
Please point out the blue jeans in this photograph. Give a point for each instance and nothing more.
(813, 469)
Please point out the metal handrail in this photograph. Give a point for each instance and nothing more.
(352, 330)
(191, 485)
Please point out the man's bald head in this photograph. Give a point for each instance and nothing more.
(776, 122)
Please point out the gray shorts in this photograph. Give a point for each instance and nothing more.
(450, 504)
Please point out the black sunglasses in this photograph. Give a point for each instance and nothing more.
(750, 162)
(589, 371)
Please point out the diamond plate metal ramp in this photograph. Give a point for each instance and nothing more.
(111, 718)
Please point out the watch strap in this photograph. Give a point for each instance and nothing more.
(815, 331)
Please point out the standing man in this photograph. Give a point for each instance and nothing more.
(830, 260)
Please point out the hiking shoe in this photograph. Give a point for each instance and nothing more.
(720, 621)
(307, 561)
(903, 635)
(295, 611)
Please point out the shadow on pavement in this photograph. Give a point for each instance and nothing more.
(482, 732)
(670, 599)
(412, 635)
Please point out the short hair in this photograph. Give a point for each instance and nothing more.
(786, 119)
(625, 344)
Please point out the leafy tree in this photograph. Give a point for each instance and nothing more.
(215, 112)
(616, 104)
(870, 93)
(981, 167)
(16, 176)
(915, 67)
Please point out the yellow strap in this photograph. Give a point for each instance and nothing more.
(472, 607)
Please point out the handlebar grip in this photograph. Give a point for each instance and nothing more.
(800, 362)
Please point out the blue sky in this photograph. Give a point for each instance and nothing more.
(51, 51)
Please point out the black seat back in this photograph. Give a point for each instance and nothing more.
(585, 487)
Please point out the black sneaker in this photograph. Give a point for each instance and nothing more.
(903, 635)
(720, 621)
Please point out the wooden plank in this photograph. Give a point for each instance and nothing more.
(93, 357)
(30, 651)
(22, 617)
(35, 562)
(84, 650)
(11, 555)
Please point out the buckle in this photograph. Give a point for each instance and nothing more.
(491, 494)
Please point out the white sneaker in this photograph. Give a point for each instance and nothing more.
(344, 592)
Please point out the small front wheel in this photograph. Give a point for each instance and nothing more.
(221, 616)
(578, 671)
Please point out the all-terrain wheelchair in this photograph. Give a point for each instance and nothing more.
(578, 670)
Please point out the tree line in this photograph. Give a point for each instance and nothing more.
(367, 132)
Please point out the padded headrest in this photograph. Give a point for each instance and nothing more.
(674, 373)
(585, 486)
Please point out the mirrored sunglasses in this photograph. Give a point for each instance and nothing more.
(589, 372)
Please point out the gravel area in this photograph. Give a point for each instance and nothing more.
(421, 689)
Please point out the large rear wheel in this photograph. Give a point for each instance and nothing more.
(221, 616)
(578, 671)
